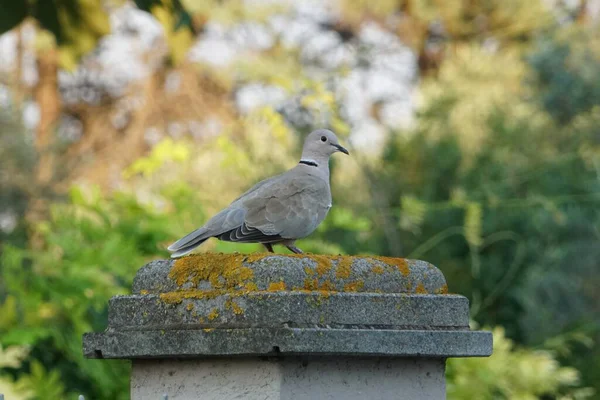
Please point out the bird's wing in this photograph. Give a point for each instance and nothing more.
(290, 207)
(245, 234)
(286, 206)
(222, 224)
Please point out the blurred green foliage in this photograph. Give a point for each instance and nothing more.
(512, 373)
(497, 184)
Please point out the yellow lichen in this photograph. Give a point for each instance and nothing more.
(276, 286)
(399, 263)
(327, 286)
(354, 286)
(213, 314)
(234, 307)
(344, 267)
(254, 257)
(378, 269)
(144, 291)
(190, 306)
(420, 289)
(442, 290)
(221, 270)
(323, 264)
(311, 284)
(208, 329)
(180, 295)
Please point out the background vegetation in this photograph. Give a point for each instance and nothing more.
(474, 128)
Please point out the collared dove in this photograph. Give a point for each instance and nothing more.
(278, 210)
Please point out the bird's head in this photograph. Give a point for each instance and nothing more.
(321, 144)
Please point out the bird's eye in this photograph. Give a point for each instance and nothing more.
(323, 139)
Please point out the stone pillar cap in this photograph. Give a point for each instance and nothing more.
(266, 304)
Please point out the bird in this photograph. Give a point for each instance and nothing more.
(278, 210)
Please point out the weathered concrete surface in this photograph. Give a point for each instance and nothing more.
(265, 271)
(290, 379)
(292, 309)
(264, 304)
(287, 341)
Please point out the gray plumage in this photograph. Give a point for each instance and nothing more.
(278, 210)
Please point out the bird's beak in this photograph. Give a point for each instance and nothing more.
(342, 149)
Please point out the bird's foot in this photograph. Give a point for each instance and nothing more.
(294, 249)
(269, 247)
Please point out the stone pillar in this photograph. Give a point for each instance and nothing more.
(263, 326)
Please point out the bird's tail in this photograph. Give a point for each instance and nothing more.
(189, 242)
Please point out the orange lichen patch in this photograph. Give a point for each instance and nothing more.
(420, 289)
(237, 310)
(323, 264)
(353, 286)
(378, 269)
(179, 296)
(311, 284)
(309, 271)
(442, 290)
(190, 306)
(251, 287)
(327, 286)
(344, 267)
(399, 263)
(254, 257)
(276, 286)
(213, 314)
(144, 291)
(233, 306)
(221, 270)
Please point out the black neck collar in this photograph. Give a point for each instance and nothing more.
(309, 162)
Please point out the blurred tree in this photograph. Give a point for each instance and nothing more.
(17, 169)
(568, 62)
(511, 221)
(68, 30)
(430, 26)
